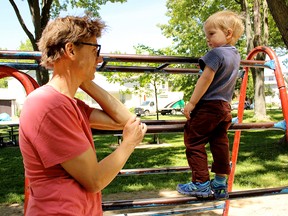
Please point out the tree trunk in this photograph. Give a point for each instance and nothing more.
(279, 9)
(259, 104)
(39, 21)
(260, 32)
(248, 26)
(42, 76)
(156, 136)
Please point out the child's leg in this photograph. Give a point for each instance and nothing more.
(219, 180)
(219, 186)
(219, 146)
(195, 141)
(197, 130)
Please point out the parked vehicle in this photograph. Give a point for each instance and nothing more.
(247, 105)
(173, 107)
(146, 108)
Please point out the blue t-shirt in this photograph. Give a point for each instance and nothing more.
(225, 61)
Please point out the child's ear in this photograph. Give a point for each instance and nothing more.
(229, 33)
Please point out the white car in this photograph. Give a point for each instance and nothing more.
(247, 105)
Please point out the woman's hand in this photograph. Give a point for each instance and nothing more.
(133, 132)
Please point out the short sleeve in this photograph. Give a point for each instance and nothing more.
(213, 59)
(61, 136)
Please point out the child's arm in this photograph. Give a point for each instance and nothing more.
(201, 87)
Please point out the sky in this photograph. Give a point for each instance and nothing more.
(129, 24)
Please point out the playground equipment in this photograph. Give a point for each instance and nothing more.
(166, 64)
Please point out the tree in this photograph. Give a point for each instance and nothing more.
(3, 83)
(278, 9)
(140, 82)
(26, 46)
(42, 11)
(257, 35)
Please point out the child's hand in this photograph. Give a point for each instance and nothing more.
(188, 109)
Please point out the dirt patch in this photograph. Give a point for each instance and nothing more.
(11, 210)
(276, 205)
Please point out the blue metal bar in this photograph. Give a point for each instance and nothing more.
(165, 61)
(175, 211)
(21, 66)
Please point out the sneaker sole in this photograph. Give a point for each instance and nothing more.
(196, 194)
(220, 193)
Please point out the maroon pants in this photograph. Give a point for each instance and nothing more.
(209, 122)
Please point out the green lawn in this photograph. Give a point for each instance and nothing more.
(261, 162)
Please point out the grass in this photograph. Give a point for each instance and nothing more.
(262, 162)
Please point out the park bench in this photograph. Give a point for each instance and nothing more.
(9, 134)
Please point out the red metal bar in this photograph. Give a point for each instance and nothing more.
(143, 69)
(178, 126)
(237, 136)
(284, 102)
(16, 54)
(28, 82)
(145, 171)
(122, 58)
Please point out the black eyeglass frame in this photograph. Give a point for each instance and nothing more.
(92, 44)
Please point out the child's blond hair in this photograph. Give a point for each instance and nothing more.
(227, 19)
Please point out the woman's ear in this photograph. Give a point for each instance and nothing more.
(69, 49)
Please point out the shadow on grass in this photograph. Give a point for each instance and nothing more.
(12, 175)
(261, 163)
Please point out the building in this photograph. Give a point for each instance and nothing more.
(270, 80)
(8, 102)
(14, 96)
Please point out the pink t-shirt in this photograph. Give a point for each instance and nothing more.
(53, 129)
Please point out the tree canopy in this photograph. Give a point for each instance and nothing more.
(42, 11)
(279, 10)
(185, 27)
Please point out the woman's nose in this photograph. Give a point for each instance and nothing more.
(99, 59)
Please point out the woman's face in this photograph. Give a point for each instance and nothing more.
(88, 59)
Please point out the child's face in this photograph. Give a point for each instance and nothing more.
(215, 36)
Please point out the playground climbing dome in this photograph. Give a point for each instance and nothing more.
(168, 65)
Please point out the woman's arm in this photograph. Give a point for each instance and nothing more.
(114, 115)
(94, 175)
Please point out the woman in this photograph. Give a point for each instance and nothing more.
(55, 128)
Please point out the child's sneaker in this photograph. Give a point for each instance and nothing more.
(219, 191)
(197, 189)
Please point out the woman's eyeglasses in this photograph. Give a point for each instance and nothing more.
(92, 44)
